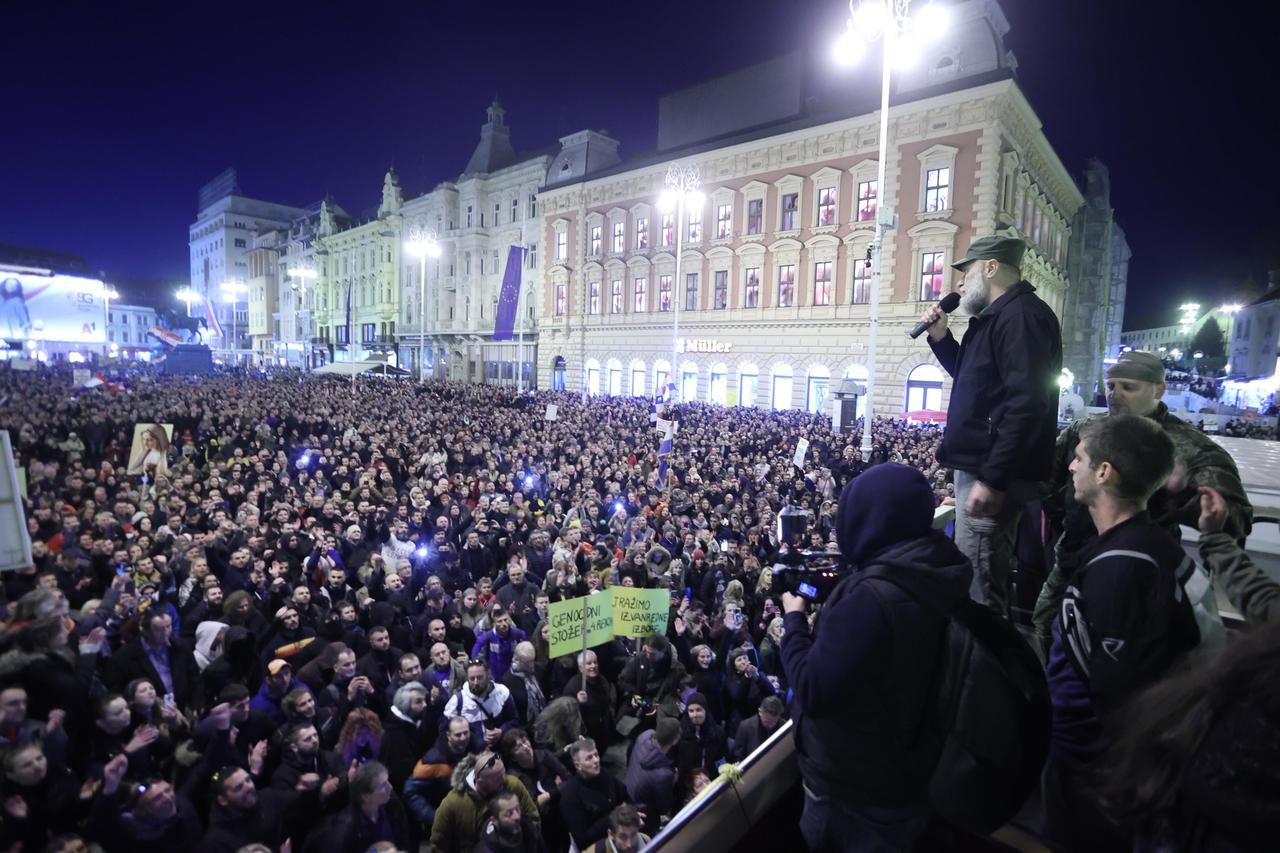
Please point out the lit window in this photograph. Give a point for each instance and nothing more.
(724, 222)
(694, 232)
(615, 296)
(786, 285)
(931, 276)
(642, 295)
(867, 191)
(642, 233)
(619, 237)
(593, 298)
(721, 289)
(827, 206)
(937, 190)
(664, 293)
(822, 283)
(755, 216)
(595, 240)
(691, 291)
(861, 281)
(668, 229)
(790, 212)
(752, 290)
(562, 293)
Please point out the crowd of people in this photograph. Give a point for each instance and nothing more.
(321, 617)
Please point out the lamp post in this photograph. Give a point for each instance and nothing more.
(187, 294)
(681, 192)
(108, 293)
(422, 244)
(231, 290)
(302, 274)
(889, 21)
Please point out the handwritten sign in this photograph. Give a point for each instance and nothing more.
(802, 448)
(553, 412)
(566, 623)
(640, 612)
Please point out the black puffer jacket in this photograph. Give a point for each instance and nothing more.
(1003, 417)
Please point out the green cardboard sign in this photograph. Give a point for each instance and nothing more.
(566, 621)
(640, 612)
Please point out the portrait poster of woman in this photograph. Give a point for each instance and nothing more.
(149, 453)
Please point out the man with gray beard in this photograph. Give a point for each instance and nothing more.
(1002, 419)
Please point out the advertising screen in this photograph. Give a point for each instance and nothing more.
(51, 308)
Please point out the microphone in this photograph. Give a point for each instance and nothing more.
(948, 303)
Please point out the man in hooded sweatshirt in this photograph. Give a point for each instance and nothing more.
(863, 676)
(651, 773)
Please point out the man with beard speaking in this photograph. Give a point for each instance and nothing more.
(1002, 419)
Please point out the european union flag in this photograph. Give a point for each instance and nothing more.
(509, 300)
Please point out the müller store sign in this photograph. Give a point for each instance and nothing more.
(695, 345)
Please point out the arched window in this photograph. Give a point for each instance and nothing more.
(780, 393)
(637, 378)
(689, 381)
(858, 372)
(615, 378)
(924, 388)
(816, 393)
(719, 383)
(593, 377)
(661, 376)
(558, 374)
(748, 384)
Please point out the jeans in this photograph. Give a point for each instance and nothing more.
(829, 826)
(989, 542)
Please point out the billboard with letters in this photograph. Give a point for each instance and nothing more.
(51, 308)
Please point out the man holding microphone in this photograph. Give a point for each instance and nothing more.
(1002, 418)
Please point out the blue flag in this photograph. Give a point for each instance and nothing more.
(664, 453)
(350, 340)
(509, 300)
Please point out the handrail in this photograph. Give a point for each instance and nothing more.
(718, 819)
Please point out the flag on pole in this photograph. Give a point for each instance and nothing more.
(664, 454)
(660, 402)
(504, 324)
(350, 340)
(164, 336)
(211, 318)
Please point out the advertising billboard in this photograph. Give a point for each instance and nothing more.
(51, 308)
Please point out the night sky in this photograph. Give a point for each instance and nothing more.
(117, 113)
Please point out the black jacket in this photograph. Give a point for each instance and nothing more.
(1003, 417)
(864, 679)
(132, 662)
(585, 806)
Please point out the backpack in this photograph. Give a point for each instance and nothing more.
(992, 712)
(1195, 583)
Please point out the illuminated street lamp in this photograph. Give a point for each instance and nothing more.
(422, 244)
(187, 295)
(901, 33)
(231, 290)
(681, 193)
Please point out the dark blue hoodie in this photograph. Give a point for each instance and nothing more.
(864, 679)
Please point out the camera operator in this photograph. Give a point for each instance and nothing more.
(863, 676)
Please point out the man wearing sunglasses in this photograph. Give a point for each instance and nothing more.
(462, 816)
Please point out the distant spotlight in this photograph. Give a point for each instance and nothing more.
(422, 551)
(617, 507)
(528, 481)
(306, 459)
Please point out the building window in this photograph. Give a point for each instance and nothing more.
(368, 332)
(562, 300)
(721, 290)
(786, 285)
(816, 393)
(867, 191)
(751, 295)
(497, 212)
(641, 303)
(533, 256)
(637, 381)
(593, 378)
(593, 297)
(748, 385)
(691, 291)
(341, 334)
(931, 275)
(755, 216)
(719, 383)
(724, 222)
(668, 229)
(790, 212)
(827, 206)
(861, 281)
(466, 263)
(595, 240)
(515, 208)
(937, 190)
(642, 232)
(689, 382)
(619, 237)
(822, 283)
(924, 389)
(562, 245)
(615, 296)
(469, 216)
(241, 243)
(533, 207)
(694, 232)
(780, 398)
(664, 293)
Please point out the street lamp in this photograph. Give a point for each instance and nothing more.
(304, 273)
(231, 290)
(187, 295)
(422, 244)
(108, 293)
(889, 21)
(681, 192)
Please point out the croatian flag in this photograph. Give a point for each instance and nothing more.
(211, 318)
(660, 402)
(664, 453)
(509, 300)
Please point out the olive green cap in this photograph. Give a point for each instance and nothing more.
(1006, 250)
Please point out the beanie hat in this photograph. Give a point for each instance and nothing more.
(696, 699)
(884, 505)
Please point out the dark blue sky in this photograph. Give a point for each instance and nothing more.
(116, 113)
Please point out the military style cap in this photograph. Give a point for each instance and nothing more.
(1139, 365)
(1006, 250)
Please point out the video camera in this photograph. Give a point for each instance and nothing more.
(807, 573)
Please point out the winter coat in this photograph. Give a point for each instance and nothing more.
(52, 680)
(463, 813)
(349, 831)
(585, 805)
(703, 746)
(497, 649)
(132, 662)
(655, 681)
(651, 778)
(1003, 417)
(496, 709)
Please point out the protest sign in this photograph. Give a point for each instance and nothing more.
(640, 612)
(553, 412)
(802, 448)
(565, 621)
